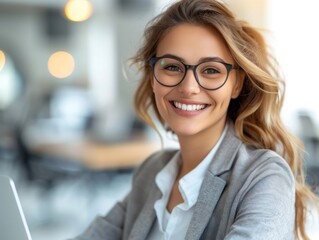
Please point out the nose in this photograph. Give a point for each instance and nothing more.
(189, 85)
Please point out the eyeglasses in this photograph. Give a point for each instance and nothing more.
(211, 74)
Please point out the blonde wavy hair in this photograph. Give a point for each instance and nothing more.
(256, 112)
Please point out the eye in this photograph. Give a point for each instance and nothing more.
(173, 68)
(210, 71)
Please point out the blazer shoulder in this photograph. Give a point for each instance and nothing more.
(253, 161)
(256, 155)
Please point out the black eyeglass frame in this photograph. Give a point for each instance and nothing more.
(229, 68)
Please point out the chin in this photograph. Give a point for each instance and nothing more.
(185, 132)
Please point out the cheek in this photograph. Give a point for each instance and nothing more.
(160, 92)
(221, 97)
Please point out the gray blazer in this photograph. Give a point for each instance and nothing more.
(247, 193)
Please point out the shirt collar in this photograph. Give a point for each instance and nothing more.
(190, 184)
(166, 177)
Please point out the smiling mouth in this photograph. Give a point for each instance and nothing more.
(189, 107)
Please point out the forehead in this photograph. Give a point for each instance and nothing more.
(193, 42)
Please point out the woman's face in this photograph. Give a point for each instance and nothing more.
(188, 109)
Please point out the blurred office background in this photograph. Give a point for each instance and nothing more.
(68, 133)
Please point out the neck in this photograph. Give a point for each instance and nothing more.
(196, 147)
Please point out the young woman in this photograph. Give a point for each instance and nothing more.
(238, 174)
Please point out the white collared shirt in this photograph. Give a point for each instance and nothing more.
(174, 225)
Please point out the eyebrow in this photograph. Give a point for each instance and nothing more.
(203, 59)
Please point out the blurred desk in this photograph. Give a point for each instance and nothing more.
(97, 155)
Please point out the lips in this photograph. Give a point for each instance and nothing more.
(189, 107)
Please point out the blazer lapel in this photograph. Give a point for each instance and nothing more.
(213, 186)
(145, 219)
(210, 193)
(147, 216)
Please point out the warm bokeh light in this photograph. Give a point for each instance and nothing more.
(2, 59)
(61, 64)
(78, 10)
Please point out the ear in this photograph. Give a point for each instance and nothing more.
(240, 78)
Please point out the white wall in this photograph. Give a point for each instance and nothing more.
(296, 41)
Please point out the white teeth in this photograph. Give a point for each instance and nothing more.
(189, 107)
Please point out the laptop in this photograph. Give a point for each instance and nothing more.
(13, 225)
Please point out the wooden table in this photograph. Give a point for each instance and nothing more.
(100, 156)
